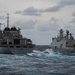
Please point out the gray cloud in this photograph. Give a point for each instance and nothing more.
(18, 12)
(71, 26)
(25, 25)
(54, 9)
(73, 14)
(1, 11)
(72, 21)
(67, 2)
(43, 28)
(31, 11)
(60, 5)
(52, 25)
(53, 19)
(2, 17)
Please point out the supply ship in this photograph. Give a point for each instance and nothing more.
(12, 41)
(63, 43)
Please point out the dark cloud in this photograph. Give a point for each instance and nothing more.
(31, 11)
(25, 25)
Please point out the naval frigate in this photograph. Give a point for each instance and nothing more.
(12, 41)
(63, 43)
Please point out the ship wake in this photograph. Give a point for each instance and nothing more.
(44, 54)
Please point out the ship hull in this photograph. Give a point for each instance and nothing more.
(8, 50)
(21, 50)
(5, 50)
(64, 51)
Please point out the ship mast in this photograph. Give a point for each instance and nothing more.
(7, 20)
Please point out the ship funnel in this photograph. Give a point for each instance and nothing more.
(67, 31)
(7, 20)
(67, 34)
(61, 31)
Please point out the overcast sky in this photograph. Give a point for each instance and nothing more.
(39, 20)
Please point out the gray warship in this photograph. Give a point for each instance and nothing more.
(63, 43)
(12, 41)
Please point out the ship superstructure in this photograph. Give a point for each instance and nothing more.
(64, 43)
(11, 41)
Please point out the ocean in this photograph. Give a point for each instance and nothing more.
(42, 61)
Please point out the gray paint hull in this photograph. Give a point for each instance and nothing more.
(64, 51)
(7, 50)
(21, 50)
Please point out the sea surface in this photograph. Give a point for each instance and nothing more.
(42, 61)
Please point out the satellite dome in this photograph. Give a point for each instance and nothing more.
(7, 29)
(13, 28)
